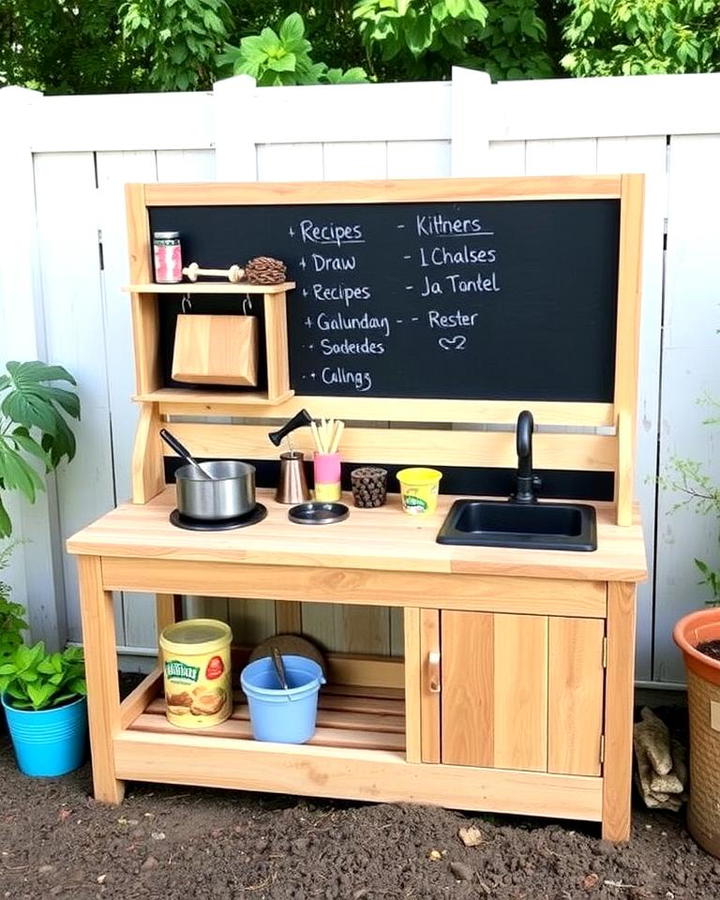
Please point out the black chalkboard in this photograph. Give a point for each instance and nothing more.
(462, 300)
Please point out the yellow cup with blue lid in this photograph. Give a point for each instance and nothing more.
(419, 488)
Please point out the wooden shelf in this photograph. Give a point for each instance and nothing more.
(360, 718)
(210, 287)
(210, 398)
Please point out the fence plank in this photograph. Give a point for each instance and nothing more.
(114, 170)
(689, 371)
(605, 107)
(96, 122)
(418, 159)
(566, 157)
(353, 112)
(647, 155)
(470, 121)
(185, 165)
(506, 158)
(35, 572)
(290, 162)
(349, 161)
(75, 328)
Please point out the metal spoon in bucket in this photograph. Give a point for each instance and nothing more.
(182, 451)
(280, 671)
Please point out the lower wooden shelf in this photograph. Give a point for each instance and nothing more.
(348, 716)
(357, 753)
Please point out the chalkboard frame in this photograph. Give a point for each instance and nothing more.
(615, 450)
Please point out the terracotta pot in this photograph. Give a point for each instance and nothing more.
(704, 708)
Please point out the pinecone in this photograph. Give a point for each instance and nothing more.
(265, 270)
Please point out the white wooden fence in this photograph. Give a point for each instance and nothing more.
(64, 160)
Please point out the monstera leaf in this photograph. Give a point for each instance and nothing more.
(33, 425)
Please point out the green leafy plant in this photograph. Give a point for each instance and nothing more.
(180, 39)
(12, 621)
(67, 48)
(283, 58)
(642, 37)
(516, 42)
(397, 28)
(506, 38)
(34, 679)
(33, 425)
(701, 493)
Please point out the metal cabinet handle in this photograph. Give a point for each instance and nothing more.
(434, 672)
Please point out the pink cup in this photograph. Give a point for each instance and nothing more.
(326, 467)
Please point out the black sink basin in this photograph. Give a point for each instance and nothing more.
(535, 526)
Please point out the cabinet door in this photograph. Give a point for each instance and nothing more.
(494, 690)
(575, 695)
(521, 692)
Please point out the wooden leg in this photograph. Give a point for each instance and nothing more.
(619, 680)
(165, 611)
(98, 625)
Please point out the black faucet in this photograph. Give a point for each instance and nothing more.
(527, 483)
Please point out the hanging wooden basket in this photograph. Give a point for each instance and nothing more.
(211, 349)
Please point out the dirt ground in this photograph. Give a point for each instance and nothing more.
(181, 843)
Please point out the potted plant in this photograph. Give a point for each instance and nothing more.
(43, 695)
(698, 637)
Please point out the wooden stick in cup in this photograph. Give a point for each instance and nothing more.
(316, 436)
(328, 426)
(339, 428)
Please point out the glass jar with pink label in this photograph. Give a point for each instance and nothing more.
(167, 257)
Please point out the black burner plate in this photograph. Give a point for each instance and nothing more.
(252, 518)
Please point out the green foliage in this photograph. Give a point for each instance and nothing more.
(12, 620)
(426, 34)
(710, 578)
(103, 46)
(62, 48)
(642, 37)
(701, 493)
(283, 57)
(179, 39)
(505, 38)
(34, 679)
(33, 425)
(514, 43)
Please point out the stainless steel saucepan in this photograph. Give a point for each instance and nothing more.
(212, 491)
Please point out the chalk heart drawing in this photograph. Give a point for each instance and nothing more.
(457, 342)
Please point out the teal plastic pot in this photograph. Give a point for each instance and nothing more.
(49, 742)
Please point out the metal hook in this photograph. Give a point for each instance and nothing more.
(247, 305)
(186, 299)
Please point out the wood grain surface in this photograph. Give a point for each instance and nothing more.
(379, 539)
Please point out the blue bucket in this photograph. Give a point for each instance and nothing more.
(49, 742)
(287, 717)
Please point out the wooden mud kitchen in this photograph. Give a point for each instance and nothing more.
(496, 671)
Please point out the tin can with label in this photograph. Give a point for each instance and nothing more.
(196, 667)
(167, 256)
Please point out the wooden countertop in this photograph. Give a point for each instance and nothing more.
(381, 539)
